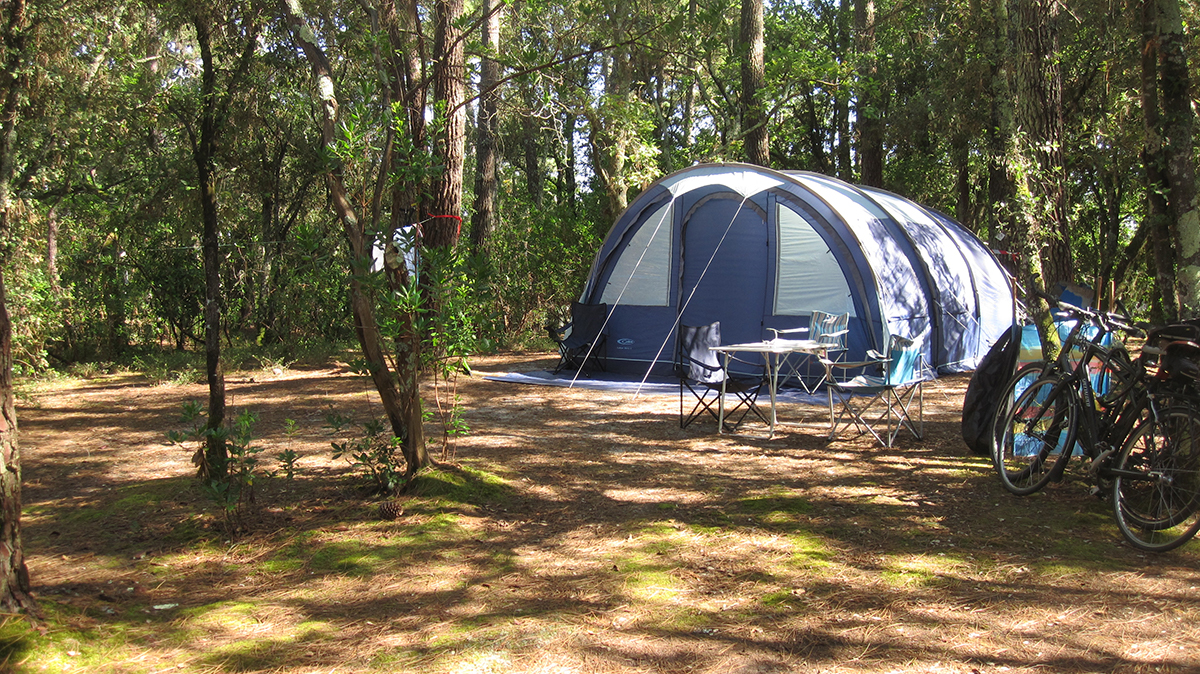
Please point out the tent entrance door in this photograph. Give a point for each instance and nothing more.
(725, 267)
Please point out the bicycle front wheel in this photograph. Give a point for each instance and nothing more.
(1156, 485)
(1032, 435)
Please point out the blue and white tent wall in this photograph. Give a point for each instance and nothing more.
(756, 248)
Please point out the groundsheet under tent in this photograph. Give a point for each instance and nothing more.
(654, 385)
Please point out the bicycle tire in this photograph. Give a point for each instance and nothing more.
(1156, 483)
(1116, 373)
(1031, 435)
(1008, 394)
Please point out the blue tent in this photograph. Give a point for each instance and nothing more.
(756, 248)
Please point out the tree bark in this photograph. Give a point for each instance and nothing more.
(757, 149)
(1180, 162)
(483, 222)
(1040, 111)
(1165, 307)
(204, 153)
(999, 225)
(841, 104)
(449, 86)
(869, 105)
(14, 576)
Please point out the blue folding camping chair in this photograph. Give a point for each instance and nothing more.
(885, 404)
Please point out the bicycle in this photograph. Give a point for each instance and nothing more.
(1154, 480)
(1156, 477)
(1038, 417)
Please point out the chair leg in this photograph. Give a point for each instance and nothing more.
(703, 404)
(867, 418)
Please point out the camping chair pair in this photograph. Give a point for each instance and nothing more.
(702, 374)
(830, 331)
(881, 405)
(582, 340)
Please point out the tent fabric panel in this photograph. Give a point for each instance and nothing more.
(746, 181)
(855, 266)
(993, 287)
(635, 213)
(951, 274)
(901, 290)
(641, 267)
(641, 338)
(725, 260)
(808, 276)
(951, 291)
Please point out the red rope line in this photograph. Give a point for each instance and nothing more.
(458, 232)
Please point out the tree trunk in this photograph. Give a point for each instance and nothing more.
(449, 87)
(14, 576)
(841, 105)
(204, 153)
(1180, 162)
(486, 185)
(1158, 222)
(531, 131)
(999, 226)
(1040, 110)
(757, 148)
(869, 107)
(403, 411)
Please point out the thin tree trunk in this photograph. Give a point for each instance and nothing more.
(403, 411)
(205, 156)
(867, 111)
(486, 185)
(1180, 162)
(1040, 111)
(52, 249)
(570, 178)
(841, 105)
(999, 226)
(1158, 222)
(531, 149)
(757, 148)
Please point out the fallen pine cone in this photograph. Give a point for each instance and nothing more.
(390, 510)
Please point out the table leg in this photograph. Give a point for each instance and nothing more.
(832, 427)
(721, 400)
(773, 373)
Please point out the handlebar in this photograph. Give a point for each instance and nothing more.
(1105, 320)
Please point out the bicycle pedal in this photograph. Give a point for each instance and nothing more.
(1099, 461)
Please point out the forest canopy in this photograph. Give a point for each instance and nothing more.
(513, 133)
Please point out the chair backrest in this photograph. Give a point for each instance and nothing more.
(587, 321)
(904, 366)
(697, 359)
(829, 329)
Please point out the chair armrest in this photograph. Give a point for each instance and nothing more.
(876, 359)
(559, 333)
(786, 331)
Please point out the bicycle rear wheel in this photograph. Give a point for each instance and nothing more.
(1113, 374)
(1156, 485)
(1032, 435)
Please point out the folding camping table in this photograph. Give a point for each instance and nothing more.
(775, 351)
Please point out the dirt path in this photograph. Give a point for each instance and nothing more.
(601, 538)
